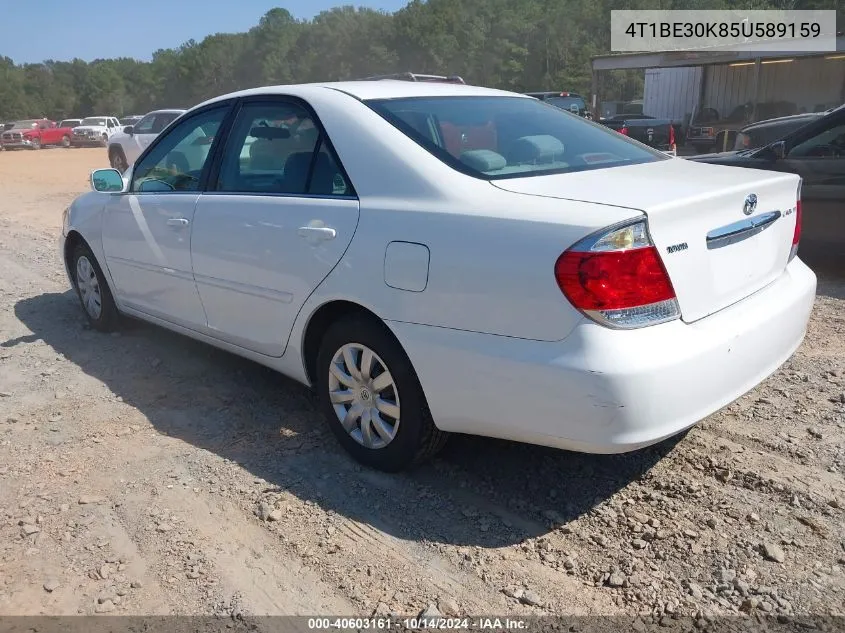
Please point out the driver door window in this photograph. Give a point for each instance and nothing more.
(145, 125)
(829, 143)
(176, 163)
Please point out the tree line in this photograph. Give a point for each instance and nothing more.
(518, 45)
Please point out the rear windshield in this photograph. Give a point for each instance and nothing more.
(567, 103)
(507, 137)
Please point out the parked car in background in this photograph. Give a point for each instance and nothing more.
(816, 152)
(95, 131)
(764, 132)
(656, 133)
(569, 101)
(125, 146)
(70, 123)
(35, 134)
(638, 295)
(131, 120)
(709, 132)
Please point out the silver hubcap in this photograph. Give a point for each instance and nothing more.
(364, 395)
(89, 287)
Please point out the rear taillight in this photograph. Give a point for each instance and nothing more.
(672, 137)
(796, 234)
(617, 279)
(624, 130)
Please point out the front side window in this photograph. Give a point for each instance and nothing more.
(162, 120)
(829, 143)
(506, 137)
(176, 162)
(277, 148)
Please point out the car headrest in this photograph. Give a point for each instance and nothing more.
(542, 148)
(483, 160)
(269, 133)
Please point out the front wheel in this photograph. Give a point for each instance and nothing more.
(36, 143)
(104, 141)
(92, 289)
(372, 397)
(66, 141)
(118, 160)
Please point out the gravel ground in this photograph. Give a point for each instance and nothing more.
(143, 473)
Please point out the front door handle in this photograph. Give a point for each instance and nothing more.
(317, 232)
(178, 222)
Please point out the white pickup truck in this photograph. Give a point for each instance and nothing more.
(130, 141)
(95, 131)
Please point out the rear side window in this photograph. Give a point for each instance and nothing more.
(277, 148)
(506, 137)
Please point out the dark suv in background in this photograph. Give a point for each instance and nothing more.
(569, 101)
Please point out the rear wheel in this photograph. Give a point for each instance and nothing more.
(92, 289)
(372, 398)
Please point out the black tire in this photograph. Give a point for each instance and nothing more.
(417, 438)
(117, 159)
(65, 141)
(104, 142)
(109, 317)
(36, 143)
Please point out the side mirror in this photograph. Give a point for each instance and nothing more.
(106, 180)
(129, 129)
(779, 149)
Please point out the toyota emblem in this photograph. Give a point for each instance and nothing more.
(750, 204)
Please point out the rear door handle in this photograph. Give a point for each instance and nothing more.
(178, 222)
(317, 232)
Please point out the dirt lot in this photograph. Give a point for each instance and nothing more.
(143, 473)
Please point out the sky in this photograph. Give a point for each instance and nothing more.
(128, 29)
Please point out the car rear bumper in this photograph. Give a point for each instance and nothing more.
(603, 390)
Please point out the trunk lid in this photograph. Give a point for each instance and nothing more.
(715, 253)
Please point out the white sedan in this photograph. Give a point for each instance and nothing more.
(439, 258)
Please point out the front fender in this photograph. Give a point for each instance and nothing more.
(85, 217)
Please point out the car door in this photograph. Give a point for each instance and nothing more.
(277, 217)
(147, 231)
(817, 154)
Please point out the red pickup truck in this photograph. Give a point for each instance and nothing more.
(35, 134)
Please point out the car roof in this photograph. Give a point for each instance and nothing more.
(165, 111)
(377, 89)
(808, 116)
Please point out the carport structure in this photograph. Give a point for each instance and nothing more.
(679, 84)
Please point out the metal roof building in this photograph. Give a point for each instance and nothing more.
(679, 82)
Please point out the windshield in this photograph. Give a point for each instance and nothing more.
(566, 103)
(506, 137)
(24, 125)
(132, 120)
(93, 121)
